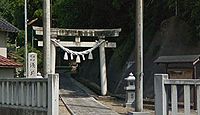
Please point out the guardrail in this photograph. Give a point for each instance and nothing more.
(40, 94)
(161, 85)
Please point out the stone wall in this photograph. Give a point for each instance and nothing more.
(9, 111)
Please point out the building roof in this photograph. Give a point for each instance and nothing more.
(7, 27)
(178, 59)
(7, 63)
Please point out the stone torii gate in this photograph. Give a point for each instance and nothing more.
(101, 34)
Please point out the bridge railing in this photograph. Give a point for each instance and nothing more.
(40, 94)
(161, 89)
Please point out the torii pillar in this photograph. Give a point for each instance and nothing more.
(103, 72)
(53, 56)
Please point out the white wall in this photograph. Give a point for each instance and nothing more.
(3, 42)
(7, 72)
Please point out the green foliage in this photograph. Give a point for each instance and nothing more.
(189, 11)
(103, 14)
(71, 13)
(116, 4)
(19, 55)
(20, 39)
(13, 11)
(6, 10)
(38, 13)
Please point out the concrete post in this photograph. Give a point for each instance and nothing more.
(103, 68)
(46, 37)
(139, 56)
(53, 58)
(53, 94)
(160, 94)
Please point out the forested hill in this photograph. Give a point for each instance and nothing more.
(105, 14)
(168, 25)
(172, 38)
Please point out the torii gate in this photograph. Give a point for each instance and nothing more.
(101, 34)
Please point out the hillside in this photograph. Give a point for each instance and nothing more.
(173, 38)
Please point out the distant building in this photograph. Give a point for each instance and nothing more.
(7, 66)
(181, 67)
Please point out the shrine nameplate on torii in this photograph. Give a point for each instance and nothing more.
(101, 34)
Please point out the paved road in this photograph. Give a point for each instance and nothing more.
(78, 101)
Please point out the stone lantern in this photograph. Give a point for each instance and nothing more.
(130, 90)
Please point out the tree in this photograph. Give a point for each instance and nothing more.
(18, 55)
(6, 10)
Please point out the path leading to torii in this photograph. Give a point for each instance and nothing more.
(78, 101)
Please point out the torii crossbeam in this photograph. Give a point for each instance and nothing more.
(101, 34)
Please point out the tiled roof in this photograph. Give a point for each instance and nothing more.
(7, 63)
(6, 26)
(178, 59)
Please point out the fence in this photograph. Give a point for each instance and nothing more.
(161, 85)
(39, 94)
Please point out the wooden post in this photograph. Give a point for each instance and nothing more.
(53, 94)
(160, 94)
(103, 68)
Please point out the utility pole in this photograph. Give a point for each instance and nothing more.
(139, 56)
(46, 37)
(25, 41)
